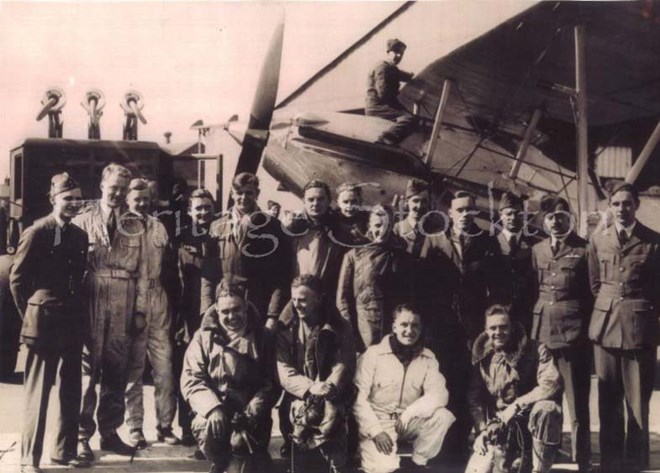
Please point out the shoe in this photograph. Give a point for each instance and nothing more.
(84, 450)
(197, 455)
(166, 435)
(30, 469)
(116, 445)
(188, 440)
(137, 439)
(71, 462)
(285, 449)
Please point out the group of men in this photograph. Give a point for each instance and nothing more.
(368, 327)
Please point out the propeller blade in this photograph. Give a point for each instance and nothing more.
(263, 104)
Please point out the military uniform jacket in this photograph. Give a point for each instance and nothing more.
(626, 284)
(383, 85)
(563, 305)
(257, 255)
(46, 279)
(517, 278)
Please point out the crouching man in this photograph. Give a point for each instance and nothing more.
(401, 396)
(229, 380)
(514, 399)
(315, 364)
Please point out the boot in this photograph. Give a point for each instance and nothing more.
(543, 456)
(235, 464)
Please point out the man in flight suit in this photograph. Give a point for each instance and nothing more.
(113, 265)
(154, 339)
(383, 91)
(624, 263)
(45, 280)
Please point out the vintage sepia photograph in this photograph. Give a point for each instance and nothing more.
(330, 236)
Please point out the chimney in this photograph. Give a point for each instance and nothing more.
(168, 137)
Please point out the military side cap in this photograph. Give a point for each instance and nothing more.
(550, 204)
(414, 187)
(61, 183)
(509, 199)
(396, 45)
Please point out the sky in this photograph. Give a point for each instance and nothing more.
(189, 60)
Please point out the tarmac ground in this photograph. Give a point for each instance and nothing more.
(162, 458)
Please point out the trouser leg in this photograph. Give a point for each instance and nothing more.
(545, 425)
(91, 370)
(112, 405)
(428, 434)
(68, 419)
(215, 448)
(159, 349)
(638, 372)
(610, 407)
(370, 326)
(134, 386)
(284, 413)
(574, 365)
(335, 450)
(40, 369)
(185, 413)
(374, 461)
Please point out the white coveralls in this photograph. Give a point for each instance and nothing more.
(388, 391)
(110, 291)
(154, 340)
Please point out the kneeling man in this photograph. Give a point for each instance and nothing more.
(229, 380)
(514, 398)
(401, 396)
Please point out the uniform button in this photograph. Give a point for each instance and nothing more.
(621, 284)
(620, 298)
(554, 274)
(551, 302)
(621, 269)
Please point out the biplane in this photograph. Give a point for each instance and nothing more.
(533, 105)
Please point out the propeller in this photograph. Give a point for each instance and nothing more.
(133, 104)
(263, 105)
(94, 102)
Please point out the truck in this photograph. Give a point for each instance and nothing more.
(32, 164)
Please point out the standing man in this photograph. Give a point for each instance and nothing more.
(514, 260)
(624, 263)
(464, 256)
(315, 364)
(561, 316)
(248, 245)
(154, 338)
(383, 92)
(113, 265)
(45, 280)
(191, 247)
(316, 250)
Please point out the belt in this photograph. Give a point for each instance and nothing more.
(113, 273)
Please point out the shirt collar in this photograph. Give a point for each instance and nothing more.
(629, 229)
(60, 223)
(105, 212)
(554, 239)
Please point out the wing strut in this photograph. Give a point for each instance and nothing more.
(582, 129)
(437, 124)
(644, 156)
(524, 144)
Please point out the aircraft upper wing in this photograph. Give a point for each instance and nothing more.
(505, 74)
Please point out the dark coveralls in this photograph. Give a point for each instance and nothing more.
(46, 280)
(191, 250)
(382, 100)
(516, 283)
(561, 318)
(624, 327)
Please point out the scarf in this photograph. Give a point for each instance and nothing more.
(404, 353)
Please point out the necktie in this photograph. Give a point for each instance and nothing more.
(112, 225)
(623, 237)
(555, 247)
(513, 244)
